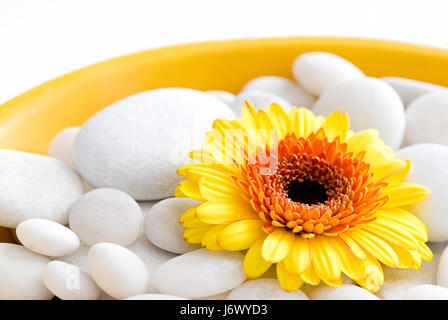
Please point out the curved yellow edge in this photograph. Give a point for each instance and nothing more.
(29, 121)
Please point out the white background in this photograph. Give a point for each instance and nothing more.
(42, 39)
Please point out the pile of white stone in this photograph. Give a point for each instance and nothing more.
(89, 227)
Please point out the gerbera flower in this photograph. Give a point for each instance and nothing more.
(306, 194)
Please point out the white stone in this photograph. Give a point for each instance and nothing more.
(224, 96)
(259, 99)
(427, 119)
(398, 281)
(370, 104)
(429, 168)
(442, 270)
(35, 186)
(61, 147)
(105, 296)
(77, 258)
(319, 71)
(281, 87)
(219, 296)
(162, 226)
(264, 289)
(343, 292)
(201, 273)
(426, 292)
(136, 144)
(152, 257)
(47, 237)
(106, 215)
(117, 271)
(68, 282)
(409, 89)
(155, 296)
(20, 274)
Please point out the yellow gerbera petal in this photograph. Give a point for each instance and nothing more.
(240, 235)
(194, 223)
(336, 125)
(406, 258)
(299, 257)
(388, 169)
(277, 245)
(222, 125)
(249, 115)
(424, 251)
(224, 211)
(399, 176)
(351, 265)
(374, 276)
(362, 140)
(254, 264)
(213, 188)
(409, 221)
(189, 189)
(325, 260)
(404, 193)
(210, 239)
(264, 122)
(375, 246)
(279, 119)
(201, 155)
(392, 232)
(303, 121)
(352, 246)
(310, 276)
(335, 283)
(197, 171)
(288, 281)
(195, 235)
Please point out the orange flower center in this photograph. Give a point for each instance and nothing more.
(317, 188)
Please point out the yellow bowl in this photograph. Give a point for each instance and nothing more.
(29, 121)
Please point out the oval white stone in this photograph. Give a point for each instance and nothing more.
(35, 186)
(61, 147)
(409, 89)
(343, 292)
(68, 282)
(201, 273)
(427, 119)
(162, 226)
(106, 215)
(155, 296)
(117, 270)
(442, 271)
(47, 237)
(370, 103)
(20, 274)
(426, 292)
(152, 257)
(136, 144)
(224, 96)
(319, 71)
(398, 281)
(259, 99)
(219, 296)
(429, 168)
(281, 87)
(264, 289)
